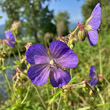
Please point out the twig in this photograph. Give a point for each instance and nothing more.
(58, 107)
(72, 85)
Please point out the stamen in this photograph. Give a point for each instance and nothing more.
(51, 62)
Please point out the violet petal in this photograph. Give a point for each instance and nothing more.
(38, 74)
(59, 77)
(93, 37)
(37, 52)
(93, 81)
(10, 38)
(68, 60)
(92, 71)
(63, 55)
(96, 17)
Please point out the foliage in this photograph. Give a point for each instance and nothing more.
(62, 22)
(75, 98)
(24, 95)
(35, 17)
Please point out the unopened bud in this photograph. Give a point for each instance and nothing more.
(22, 76)
(16, 25)
(74, 40)
(23, 59)
(28, 45)
(100, 77)
(81, 35)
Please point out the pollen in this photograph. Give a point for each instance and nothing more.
(51, 62)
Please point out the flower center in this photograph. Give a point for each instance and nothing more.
(51, 62)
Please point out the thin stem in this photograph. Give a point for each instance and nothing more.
(18, 47)
(14, 55)
(58, 107)
(100, 57)
(9, 56)
(39, 96)
(72, 85)
(101, 97)
(89, 107)
(9, 86)
(19, 52)
(25, 95)
(79, 96)
(74, 30)
(71, 35)
(52, 102)
(71, 72)
(7, 81)
(106, 80)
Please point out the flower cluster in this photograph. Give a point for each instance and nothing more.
(49, 63)
(16, 25)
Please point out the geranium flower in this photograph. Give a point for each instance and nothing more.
(10, 38)
(93, 24)
(93, 77)
(45, 64)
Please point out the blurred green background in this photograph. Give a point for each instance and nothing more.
(39, 24)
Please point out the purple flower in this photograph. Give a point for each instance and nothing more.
(93, 77)
(45, 64)
(93, 24)
(10, 38)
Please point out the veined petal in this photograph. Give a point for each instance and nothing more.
(41, 59)
(59, 77)
(93, 37)
(93, 81)
(37, 54)
(58, 48)
(11, 43)
(96, 17)
(10, 38)
(68, 60)
(38, 74)
(92, 71)
(63, 55)
(93, 78)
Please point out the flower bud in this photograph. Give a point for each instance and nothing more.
(15, 26)
(22, 76)
(100, 77)
(81, 35)
(28, 45)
